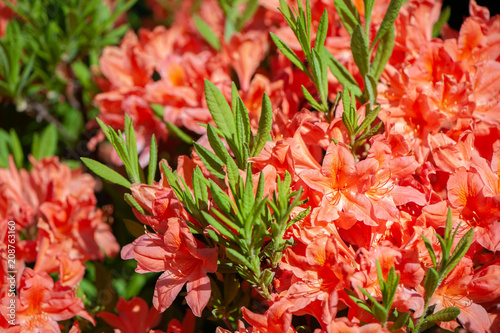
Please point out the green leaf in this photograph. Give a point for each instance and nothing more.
(135, 285)
(443, 18)
(359, 49)
(391, 287)
(367, 294)
(460, 250)
(180, 134)
(48, 142)
(216, 144)
(25, 77)
(348, 14)
(16, 148)
(238, 258)
(446, 314)
(288, 52)
(229, 29)
(220, 198)
(431, 282)
(172, 181)
(134, 228)
(105, 172)
(235, 224)
(370, 89)
(320, 73)
(448, 230)
(303, 37)
(234, 95)
(265, 124)
(388, 21)
(311, 99)
(379, 312)
(153, 160)
(322, 32)
(287, 13)
(210, 160)
(223, 229)
(400, 321)
(207, 33)
(133, 156)
(82, 73)
(370, 133)
(4, 149)
(381, 281)
(248, 198)
(220, 110)
(368, 14)
(130, 200)
(342, 74)
(347, 117)
(369, 118)
(430, 249)
(200, 188)
(384, 52)
(243, 131)
(233, 175)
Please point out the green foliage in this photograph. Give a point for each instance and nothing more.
(105, 172)
(358, 133)
(45, 58)
(317, 56)
(320, 59)
(207, 33)
(126, 147)
(434, 277)
(243, 220)
(388, 287)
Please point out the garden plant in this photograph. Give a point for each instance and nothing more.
(280, 166)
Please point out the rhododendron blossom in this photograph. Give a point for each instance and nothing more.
(324, 166)
(182, 260)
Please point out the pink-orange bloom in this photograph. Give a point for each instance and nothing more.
(453, 292)
(42, 303)
(343, 184)
(133, 316)
(182, 259)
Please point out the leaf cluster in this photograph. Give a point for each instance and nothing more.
(434, 277)
(44, 144)
(381, 311)
(320, 59)
(317, 56)
(46, 54)
(358, 133)
(126, 147)
(242, 220)
(440, 270)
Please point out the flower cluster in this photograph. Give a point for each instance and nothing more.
(325, 165)
(58, 228)
(375, 209)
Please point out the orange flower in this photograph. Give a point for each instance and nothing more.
(453, 291)
(42, 303)
(343, 184)
(133, 316)
(182, 259)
